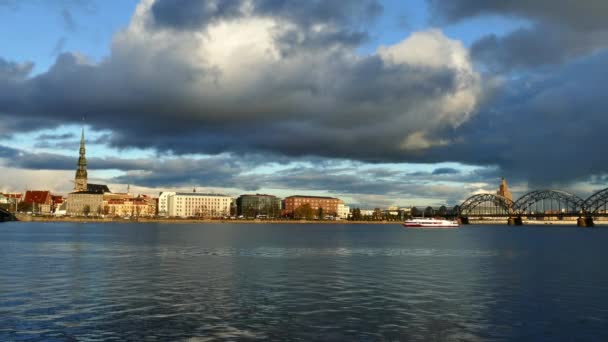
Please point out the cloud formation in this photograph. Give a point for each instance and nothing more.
(235, 87)
(285, 79)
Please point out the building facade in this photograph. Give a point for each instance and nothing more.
(328, 204)
(163, 203)
(141, 206)
(41, 201)
(254, 205)
(343, 211)
(183, 204)
(85, 203)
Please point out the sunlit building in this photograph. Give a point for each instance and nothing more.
(192, 204)
(328, 204)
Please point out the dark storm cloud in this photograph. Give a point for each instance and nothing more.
(560, 30)
(445, 171)
(544, 124)
(142, 105)
(347, 18)
(537, 46)
(587, 14)
(196, 14)
(546, 129)
(62, 136)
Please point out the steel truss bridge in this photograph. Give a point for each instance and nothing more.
(536, 204)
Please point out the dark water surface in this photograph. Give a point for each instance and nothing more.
(61, 281)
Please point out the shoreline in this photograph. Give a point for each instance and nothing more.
(22, 218)
(25, 218)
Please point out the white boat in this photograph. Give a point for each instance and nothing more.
(430, 223)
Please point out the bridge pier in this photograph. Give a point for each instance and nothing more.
(515, 221)
(585, 222)
(463, 220)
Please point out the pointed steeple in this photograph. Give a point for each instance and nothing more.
(80, 183)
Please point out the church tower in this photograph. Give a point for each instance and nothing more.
(80, 183)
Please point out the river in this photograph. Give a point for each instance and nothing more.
(166, 282)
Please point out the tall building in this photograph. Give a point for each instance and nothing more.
(87, 199)
(503, 190)
(80, 183)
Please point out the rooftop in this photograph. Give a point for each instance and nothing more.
(320, 197)
(196, 194)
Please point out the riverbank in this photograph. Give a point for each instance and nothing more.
(27, 218)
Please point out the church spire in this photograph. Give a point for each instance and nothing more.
(80, 183)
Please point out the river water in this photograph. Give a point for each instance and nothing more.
(67, 281)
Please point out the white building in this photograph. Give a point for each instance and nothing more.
(197, 205)
(163, 203)
(367, 212)
(343, 211)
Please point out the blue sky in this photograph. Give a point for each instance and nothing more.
(461, 72)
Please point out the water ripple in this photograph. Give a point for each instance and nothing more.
(361, 283)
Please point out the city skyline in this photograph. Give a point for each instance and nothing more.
(375, 102)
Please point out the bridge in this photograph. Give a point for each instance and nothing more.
(6, 216)
(538, 204)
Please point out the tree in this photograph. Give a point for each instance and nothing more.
(320, 213)
(356, 215)
(86, 210)
(377, 215)
(304, 211)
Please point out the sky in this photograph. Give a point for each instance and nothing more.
(378, 102)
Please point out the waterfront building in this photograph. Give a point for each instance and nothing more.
(41, 201)
(343, 211)
(85, 203)
(140, 206)
(192, 204)
(254, 205)
(163, 203)
(328, 204)
(367, 212)
(14, 197)
(503, 190)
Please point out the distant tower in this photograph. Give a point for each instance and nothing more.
(503, 190)
(80, 183)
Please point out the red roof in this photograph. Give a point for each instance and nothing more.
(38, 197)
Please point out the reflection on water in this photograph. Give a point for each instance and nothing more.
(307, 283)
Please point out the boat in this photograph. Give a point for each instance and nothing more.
(430, 223)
